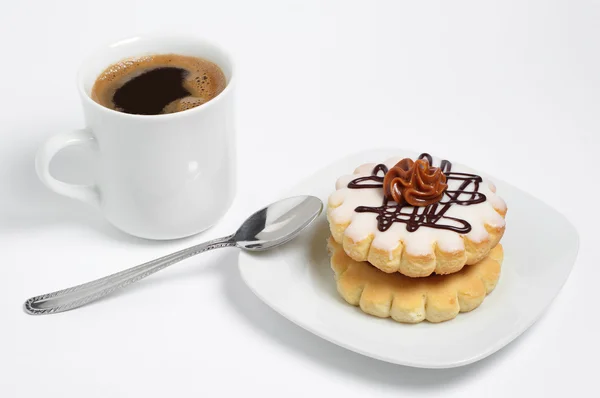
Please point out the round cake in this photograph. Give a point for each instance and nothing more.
(416, 216)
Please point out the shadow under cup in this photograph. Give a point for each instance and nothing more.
(162, 176)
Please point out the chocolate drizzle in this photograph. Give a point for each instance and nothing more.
(431, 215)
(356, 183)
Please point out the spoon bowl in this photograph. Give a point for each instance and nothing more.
(278, 223)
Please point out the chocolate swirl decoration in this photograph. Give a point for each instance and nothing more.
(416, 183)
(432, 215)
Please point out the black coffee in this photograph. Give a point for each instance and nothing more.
(158, 84)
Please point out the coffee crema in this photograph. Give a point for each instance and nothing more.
(158, 84)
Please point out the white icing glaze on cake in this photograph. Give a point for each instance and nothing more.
(422, 241)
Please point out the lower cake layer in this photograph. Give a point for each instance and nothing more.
(435, 298)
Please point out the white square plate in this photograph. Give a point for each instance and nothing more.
(540, 247)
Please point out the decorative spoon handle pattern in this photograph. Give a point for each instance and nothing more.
(77, 296)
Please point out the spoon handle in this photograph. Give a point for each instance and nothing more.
(77, 296)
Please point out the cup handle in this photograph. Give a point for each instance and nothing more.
(85, 193)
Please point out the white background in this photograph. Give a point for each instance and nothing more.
(508, 87)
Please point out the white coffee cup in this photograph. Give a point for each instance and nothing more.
(159, 176)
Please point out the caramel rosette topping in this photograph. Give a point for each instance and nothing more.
(416, 183)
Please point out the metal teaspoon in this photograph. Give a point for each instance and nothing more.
(270, 227)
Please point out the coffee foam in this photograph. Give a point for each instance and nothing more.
(183, 104)
(204, 79)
